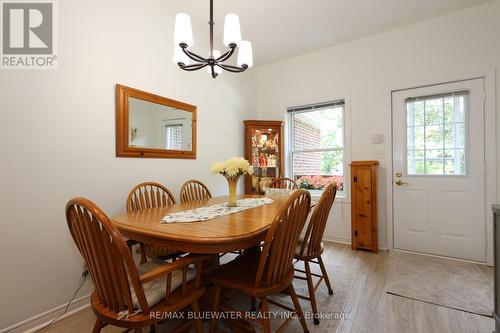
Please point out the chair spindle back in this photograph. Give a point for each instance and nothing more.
(284, 183)
(149, 195)
(317, 224)
(194, 190)
(107, 256)
(276, 260)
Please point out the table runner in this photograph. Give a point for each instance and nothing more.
(214, 211)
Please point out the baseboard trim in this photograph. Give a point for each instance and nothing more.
(337, 239)
(36, 322)
(347, 240)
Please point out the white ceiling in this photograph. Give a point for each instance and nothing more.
(280, 29)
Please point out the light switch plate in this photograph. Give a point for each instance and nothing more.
(377, 139)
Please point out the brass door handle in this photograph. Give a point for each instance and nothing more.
(399, 182)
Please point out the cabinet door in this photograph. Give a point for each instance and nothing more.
(362, 206)
(263, 142)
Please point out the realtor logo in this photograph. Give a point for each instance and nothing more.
(28, 34)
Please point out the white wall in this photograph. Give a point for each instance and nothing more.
(57, 127)
(141, 117)
(451, 47)
(57, 139)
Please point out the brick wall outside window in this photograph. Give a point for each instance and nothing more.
(307, 166)
(306, 136)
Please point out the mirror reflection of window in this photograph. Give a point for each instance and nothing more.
(157, 126)
(173, 137)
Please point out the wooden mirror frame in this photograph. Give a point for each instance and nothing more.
(123, 149)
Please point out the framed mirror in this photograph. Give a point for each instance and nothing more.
(149, 125)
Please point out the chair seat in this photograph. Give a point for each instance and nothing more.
(240, 273)
(177, 302)
(155, 290)
(299, 256)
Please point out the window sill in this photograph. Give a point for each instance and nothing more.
(338, 199)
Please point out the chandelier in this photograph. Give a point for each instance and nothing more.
(183, 40)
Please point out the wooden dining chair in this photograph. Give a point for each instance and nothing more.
(124, 294)
(284, 183)
(260, 274)
(194, 190)
(150, 195)
(310, 248)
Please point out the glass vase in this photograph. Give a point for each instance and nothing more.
(233, 183)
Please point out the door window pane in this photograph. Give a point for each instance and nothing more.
(433, 112)
(416, 113)
(435, 135)
(434, 167)
(415, 137)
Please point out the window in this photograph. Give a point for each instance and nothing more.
(173, 137)
(317, 145)
(436, 131)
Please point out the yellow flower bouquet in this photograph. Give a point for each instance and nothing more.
(232, 169)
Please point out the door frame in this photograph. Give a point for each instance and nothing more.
(489, 155)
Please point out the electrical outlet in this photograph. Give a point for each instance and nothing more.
(85, 270)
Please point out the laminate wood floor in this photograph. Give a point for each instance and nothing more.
(368, 307)
(371, 309)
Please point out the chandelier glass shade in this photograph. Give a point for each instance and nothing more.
(215, 62)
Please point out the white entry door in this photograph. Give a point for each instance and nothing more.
(438, 163)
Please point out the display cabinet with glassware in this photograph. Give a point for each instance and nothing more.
(264, 150)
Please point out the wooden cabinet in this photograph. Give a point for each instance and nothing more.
(364, 205)
(264, 151)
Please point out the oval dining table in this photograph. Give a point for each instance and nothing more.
(227, 233)
(233, 232)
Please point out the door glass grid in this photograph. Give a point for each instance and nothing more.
(436, 131)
